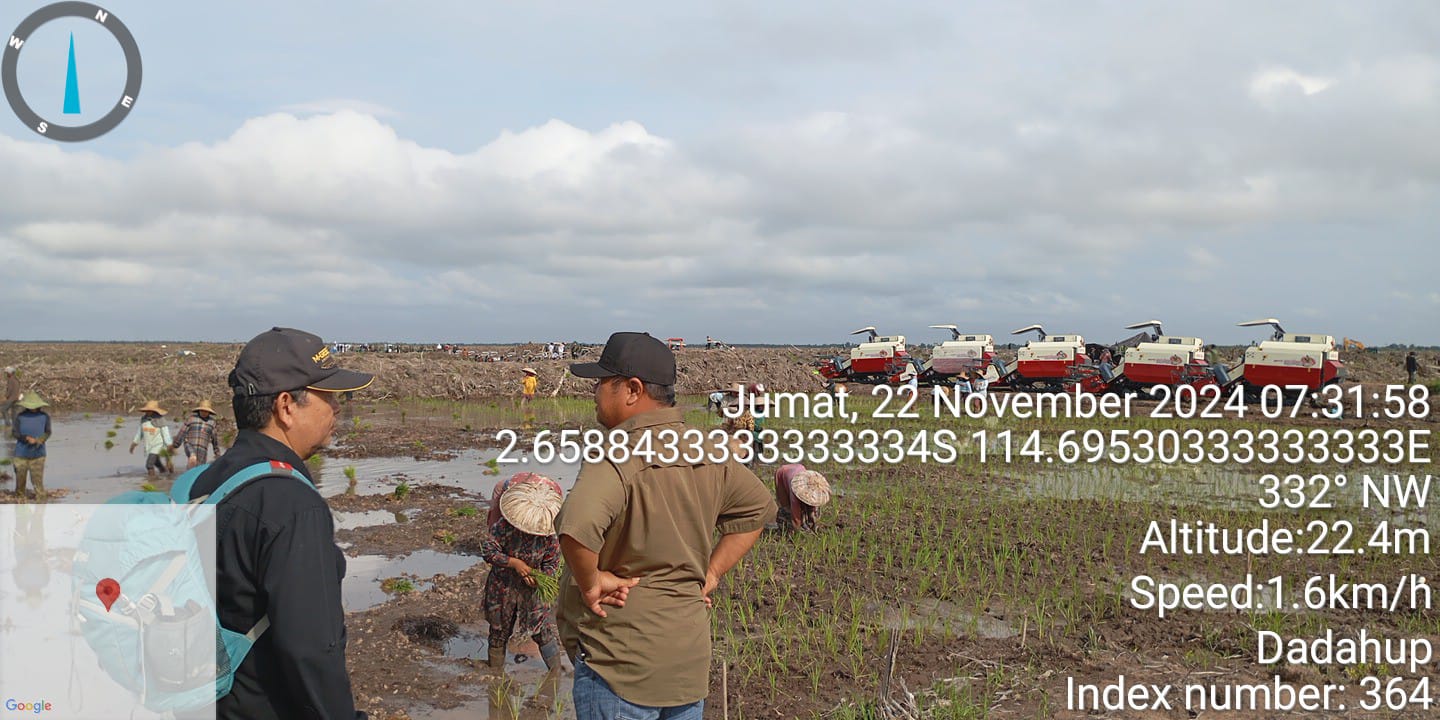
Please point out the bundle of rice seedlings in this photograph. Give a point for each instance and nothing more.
(547, 587)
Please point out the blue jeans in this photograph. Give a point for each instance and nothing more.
(594, 700)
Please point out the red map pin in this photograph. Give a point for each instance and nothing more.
(108, 591)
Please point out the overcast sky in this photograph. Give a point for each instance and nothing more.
(760, 172)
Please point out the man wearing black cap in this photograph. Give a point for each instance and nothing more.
(640, 554)
(276, 556)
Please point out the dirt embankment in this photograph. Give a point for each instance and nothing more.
(120, 377)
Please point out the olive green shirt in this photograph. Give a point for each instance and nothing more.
(655, 522)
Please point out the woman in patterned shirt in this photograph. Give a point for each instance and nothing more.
(522, 541)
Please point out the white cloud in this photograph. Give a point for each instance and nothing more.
(327, 106)
(1270, 81)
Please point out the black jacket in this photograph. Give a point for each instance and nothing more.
(275, 553)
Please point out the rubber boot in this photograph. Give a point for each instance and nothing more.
(551, 653)
(496, 659)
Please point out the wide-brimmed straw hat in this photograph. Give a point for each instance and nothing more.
(204, 406)
(32, 401)
(529, 371)
(152, 406)
(531, 507)
(811, 488)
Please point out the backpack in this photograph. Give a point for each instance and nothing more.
(161, 638)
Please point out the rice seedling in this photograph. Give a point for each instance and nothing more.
(397, 585)
(402, 490)
(547, 587)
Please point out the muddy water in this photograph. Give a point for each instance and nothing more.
(467, 470)
(78, 462)
(363, 574)
(529, 690)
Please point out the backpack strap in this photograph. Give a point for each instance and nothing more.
(272, 468)
(180, 490)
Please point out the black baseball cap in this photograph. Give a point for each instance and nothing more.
(631, 354)
(285, 359)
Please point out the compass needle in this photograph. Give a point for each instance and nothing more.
(72, 83)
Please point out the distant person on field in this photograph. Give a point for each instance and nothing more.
(199, 435)
(12, 396)
(800, 494)
(529, 385)
(31, 430)
(1412, 366)
(155, 434)
(978, 384)
(963, 382)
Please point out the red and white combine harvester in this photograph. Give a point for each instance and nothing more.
(875, 362)
(1288, 359)
(1048, 362)
(1160, 360)
(961, 353)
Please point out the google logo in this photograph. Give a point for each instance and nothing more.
(36, 707)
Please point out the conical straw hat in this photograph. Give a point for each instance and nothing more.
(205, 406)
(152, 406)
(32, 401)
(531, 507)
(811, 488)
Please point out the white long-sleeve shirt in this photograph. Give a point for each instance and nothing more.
(155, 438)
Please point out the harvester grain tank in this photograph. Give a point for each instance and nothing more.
(876, 360)
(1287, 359)
(963, 352)
(1048, 362)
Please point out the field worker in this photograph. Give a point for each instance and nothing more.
(963, 382)
(717, 401)
(31, 430)
(156, 436)
(199, 435)
(12, 396)
(1412, 366)
(640, 555)
(800, 493)
(978, 384)
(522, 542)
(275, 552)
(529, 385)
(744, 422)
